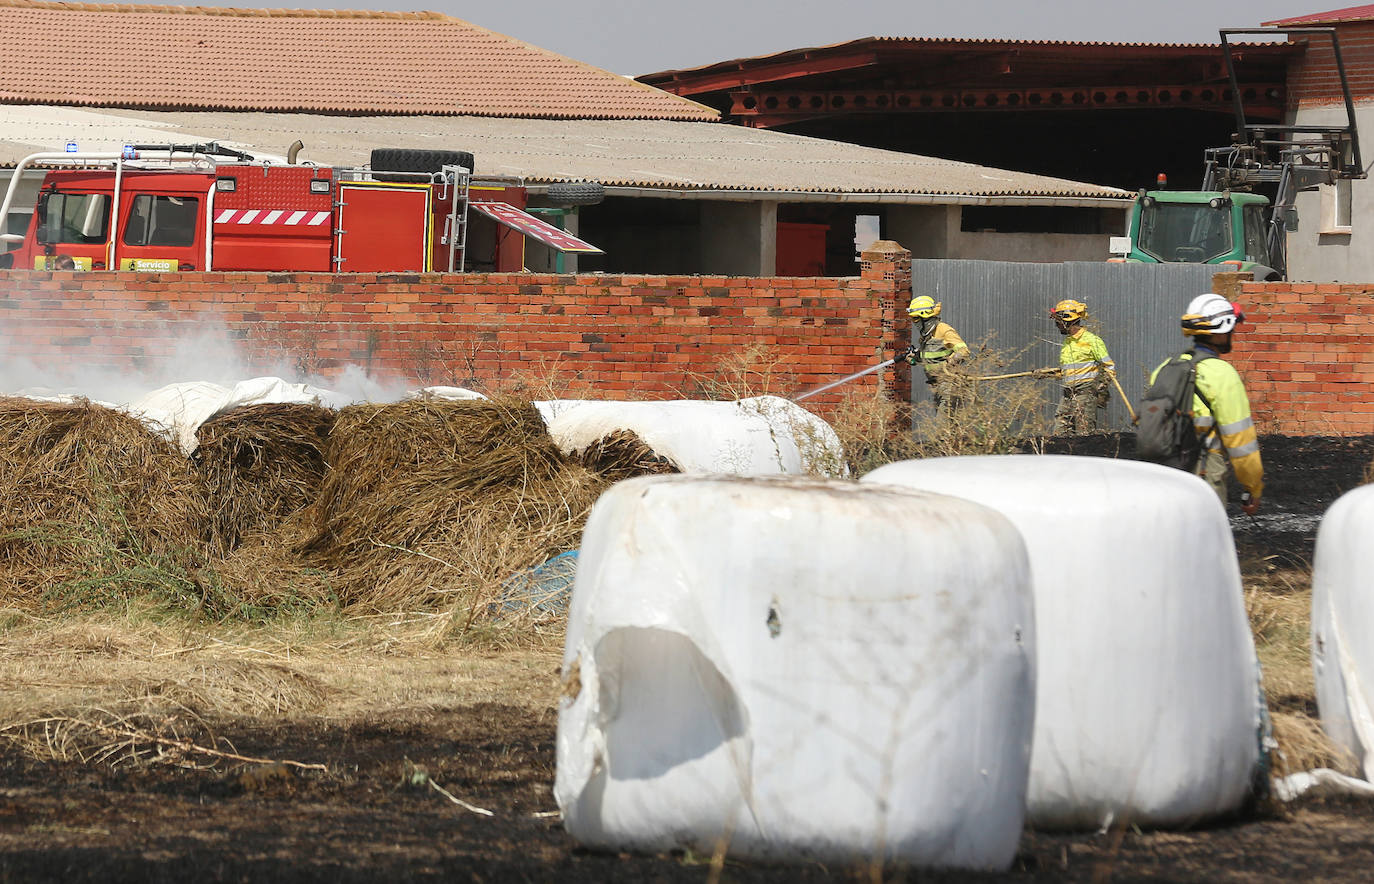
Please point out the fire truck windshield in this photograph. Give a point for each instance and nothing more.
(1192, 233)
(74, 218)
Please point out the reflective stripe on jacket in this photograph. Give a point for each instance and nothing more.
(1227, 423)
(943, 343)
(1082, 357)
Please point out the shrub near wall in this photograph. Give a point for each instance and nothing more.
(1306, 353)
(621, 335)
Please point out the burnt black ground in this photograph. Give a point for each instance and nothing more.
(1303, 476)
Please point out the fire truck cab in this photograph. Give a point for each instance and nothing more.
(203, 207)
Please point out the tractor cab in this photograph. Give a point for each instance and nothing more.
(1199, 227)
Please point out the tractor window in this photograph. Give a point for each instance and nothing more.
(162, 221)
(74, 218)
(1190, 233)
(1256, 236)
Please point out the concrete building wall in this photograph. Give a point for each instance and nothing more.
(1321, 249)
(934, 232)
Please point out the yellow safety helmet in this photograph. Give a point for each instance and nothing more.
(923, 307)
(1069, 311)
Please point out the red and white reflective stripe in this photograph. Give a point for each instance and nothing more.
(276, 216)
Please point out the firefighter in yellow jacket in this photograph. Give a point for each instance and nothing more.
(1085, 369)
(1221, 408)
(937, 347)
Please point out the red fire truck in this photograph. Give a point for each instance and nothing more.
(205, 207)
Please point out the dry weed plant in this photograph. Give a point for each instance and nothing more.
(992, 417)
(757, 370)
(546, 377)
(874, 429)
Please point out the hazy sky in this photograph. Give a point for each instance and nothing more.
(634, 38)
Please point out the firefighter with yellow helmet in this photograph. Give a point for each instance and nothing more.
(937, 346)
(1221, 408)
(1085, 369)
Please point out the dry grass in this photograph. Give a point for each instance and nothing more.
(93, 507)
(101, 690)
(1279, 604)
(623, 455)
(425, 506)
(259, 465)
(431, 505)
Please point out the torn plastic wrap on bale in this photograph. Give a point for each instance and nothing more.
(772, 666)
(1343, 625)
(759, 436)
(1149, 707)
(178, 410)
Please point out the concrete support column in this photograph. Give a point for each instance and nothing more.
(739, 239)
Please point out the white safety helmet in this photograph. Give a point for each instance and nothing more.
(1211, 314)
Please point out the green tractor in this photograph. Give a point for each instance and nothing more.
(1227, 221)
(1200, 227)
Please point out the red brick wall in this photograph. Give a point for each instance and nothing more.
(1313, 80)
(1306, 353)
(619, 335)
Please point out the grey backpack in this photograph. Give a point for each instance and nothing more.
(1165, 433)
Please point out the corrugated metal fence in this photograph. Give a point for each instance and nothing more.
(1005, 307)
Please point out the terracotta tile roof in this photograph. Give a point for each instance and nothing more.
(318, 61)
(1348, 14)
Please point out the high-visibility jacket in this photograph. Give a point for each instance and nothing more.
(943, 343)
(1082, 357)
(1226, 423)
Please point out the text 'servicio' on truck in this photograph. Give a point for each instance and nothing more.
(164, 208)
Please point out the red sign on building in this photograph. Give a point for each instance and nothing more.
(505, 213)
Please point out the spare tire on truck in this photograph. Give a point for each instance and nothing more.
(399, 159)
(581, 193)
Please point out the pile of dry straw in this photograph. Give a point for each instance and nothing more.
(426, 504)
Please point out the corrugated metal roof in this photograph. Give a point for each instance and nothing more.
(1070, 48)
(658, 155)
(1349, 13)
(324, 61)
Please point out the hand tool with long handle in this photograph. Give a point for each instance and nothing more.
(1035, 372)
(1134, 417)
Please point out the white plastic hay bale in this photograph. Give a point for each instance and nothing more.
(759, 436)
(179, 410)
(774, 664)
(1343, 624)
(1149, 708)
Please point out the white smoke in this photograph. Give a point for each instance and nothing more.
(206, 355)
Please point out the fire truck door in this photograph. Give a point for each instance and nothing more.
(161, 233)
(383, 227)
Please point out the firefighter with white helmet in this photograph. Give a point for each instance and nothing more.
(937, 347)
(1085, 369)
(1221, 408)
